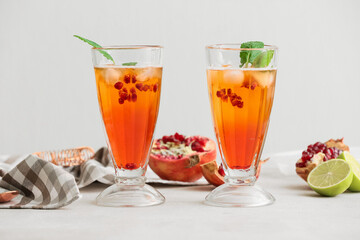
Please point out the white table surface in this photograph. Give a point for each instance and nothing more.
(298, 213)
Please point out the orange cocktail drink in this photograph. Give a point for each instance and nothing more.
(129, 100)
(241, 102)
(128, 81)
(241, 82)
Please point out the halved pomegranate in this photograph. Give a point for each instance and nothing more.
(215, 175)
(178, 158)
(317, 153)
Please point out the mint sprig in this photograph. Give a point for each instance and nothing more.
(129, 64)
(95, 45)
(257, 58)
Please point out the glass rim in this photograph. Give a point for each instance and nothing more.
(233, 46)
(128, 47)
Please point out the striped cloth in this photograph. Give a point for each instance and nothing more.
(43, 185)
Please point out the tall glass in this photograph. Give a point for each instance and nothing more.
(241, 97)
(128, 91)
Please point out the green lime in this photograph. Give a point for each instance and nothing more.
(331, 178)
(355, 167)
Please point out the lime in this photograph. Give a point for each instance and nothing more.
(331, 178)
(355, 167)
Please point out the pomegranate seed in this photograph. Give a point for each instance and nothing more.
(164, 147)
(127, 78)
(179, 156)
(253, 86)
(234, 102)
(155, 87)
(123, 96)
(221, 170)
(179, 137)
(133, 79)
(118, 85)
(132, 90)
(166, 139)
(130, 166)
(196, 146)
(229, 91)
(146, 87)
(219, 94)
(133, 97)
(301, 164)
(121, 101)
(125, 89)
(139, 86)
(224, 98)
(240, 104)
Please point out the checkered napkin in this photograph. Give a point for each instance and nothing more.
(41, 184)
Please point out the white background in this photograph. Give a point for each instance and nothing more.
(47, 86)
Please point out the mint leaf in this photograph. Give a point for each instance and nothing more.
(95, 45)
(129, 64)
(264, 59)
(247, 56)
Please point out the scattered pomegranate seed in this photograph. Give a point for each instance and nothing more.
(133, 79)
(240, 104)
(118, 85)
(127, 78)
(229, 91)
(145, 87)
(121, 101)
(133, 97)
(253, 85)
(155, 87)
(139, 86)
(130, 166)
(125, 89)
(132, 90)
(123, 96)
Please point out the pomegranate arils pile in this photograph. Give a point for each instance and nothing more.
(312, 149)
(176, 146)
(131, 96)
(235, 100)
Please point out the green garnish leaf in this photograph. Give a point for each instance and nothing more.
(264, 59)
(95, 45)
(246, 56)
(129, 64)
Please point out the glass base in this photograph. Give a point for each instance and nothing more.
(230, 195)
(130, 193)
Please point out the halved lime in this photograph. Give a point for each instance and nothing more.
(355, 167)
(331, 178)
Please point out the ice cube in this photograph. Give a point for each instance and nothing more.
(148, 73)
(112, 75)
(264, 78)
(234, 76)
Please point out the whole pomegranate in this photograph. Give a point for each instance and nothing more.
(178, 158)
